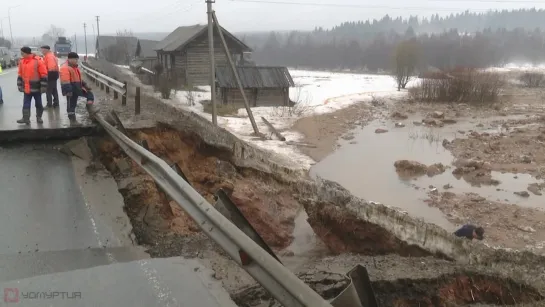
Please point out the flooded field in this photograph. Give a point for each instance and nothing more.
(364, 164)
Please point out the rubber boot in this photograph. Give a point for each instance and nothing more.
(26, 117)
(39, 113)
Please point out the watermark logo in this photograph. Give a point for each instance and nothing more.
(13, 295)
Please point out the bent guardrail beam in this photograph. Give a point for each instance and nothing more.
(283, 285)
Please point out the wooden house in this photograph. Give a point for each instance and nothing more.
(184, 53)
(263, 86)
(145, 53)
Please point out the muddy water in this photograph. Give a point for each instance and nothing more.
(365, 166)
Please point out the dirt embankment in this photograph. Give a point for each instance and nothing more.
(322, 131)
(519, 147)
(507, 225)
(267, 203)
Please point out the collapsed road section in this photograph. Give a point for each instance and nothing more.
(410, 263)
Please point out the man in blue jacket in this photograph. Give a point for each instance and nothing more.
(470, 232)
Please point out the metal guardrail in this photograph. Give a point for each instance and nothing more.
(108, 83)
(112, 83)
(283, 285)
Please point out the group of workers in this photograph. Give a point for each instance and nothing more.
(39, 75)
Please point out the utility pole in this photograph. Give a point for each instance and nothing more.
(76, 42)
(98, 35)
(9, 20)
(94, 35)
(2, 27)
(85, 34)
(212, 64)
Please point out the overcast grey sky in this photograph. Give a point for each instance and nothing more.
(32, 17)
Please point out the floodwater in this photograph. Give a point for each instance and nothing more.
(305, 241)
(365, 166)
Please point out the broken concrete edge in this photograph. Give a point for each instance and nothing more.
(30, 135)
(413, 231)
(243, 154)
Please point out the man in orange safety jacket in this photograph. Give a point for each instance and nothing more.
(73, 86)
(32, 81)
(52, 65)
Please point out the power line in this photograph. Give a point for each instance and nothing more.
(365, 6)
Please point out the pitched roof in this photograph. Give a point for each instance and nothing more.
(180, 37)
(104, 42)
(147, 48)
(254, 77)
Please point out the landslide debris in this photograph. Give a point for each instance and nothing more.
(459, 289)
(266, 202)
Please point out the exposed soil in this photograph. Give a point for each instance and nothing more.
(506, 225)
(322, 131)
(461, 289)
(408, 169)
(517, 150)
(342, 232)
(454, 290)
(265, 202)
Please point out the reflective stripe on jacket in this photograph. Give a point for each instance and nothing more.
(51, 62)
(32, 75)
(71, 80)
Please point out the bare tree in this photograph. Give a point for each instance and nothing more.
(52, 34)
(122, 51)
(406, 58)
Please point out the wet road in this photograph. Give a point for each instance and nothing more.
(63, 229)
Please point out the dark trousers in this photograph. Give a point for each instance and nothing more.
(73, 101)
(27, 101)
(52, 95)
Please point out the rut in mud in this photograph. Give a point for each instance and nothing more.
(461, 289)
(266, 202)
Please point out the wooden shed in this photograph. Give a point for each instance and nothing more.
(263, 85)
(184, 53)
(145, 53)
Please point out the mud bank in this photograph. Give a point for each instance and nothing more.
(266, 202)
(400, 281)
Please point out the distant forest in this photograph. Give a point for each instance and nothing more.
(465, 39)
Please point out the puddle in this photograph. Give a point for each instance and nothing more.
(365, 166)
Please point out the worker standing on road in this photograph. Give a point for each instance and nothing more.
(52, 65)
(73, 86)
(32, 81)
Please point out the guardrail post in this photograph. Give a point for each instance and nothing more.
(115, 92)
(101, 84)
(137, 101)
(124, 96)
(108, 88)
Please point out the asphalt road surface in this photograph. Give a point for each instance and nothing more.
(63, 230)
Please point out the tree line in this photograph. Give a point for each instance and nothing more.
(465, 39)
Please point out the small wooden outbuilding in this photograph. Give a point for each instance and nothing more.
(263, 85)
(184, 53)
(145, 53)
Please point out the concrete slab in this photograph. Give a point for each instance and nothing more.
(56, 123)
(148, 283)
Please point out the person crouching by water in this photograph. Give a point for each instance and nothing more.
(73, 86)
(470, 232)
